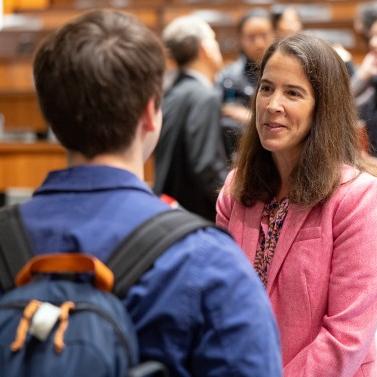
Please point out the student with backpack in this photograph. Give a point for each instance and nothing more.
(199, 309)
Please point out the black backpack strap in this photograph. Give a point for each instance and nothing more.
(138, 251)
(14, 246)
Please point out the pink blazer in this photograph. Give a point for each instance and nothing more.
(323, 277)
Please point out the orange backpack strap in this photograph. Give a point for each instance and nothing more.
(23, 326)
(128, 262)
(67, 263)
(14, 246)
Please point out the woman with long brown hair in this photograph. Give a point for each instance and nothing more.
(303, 206)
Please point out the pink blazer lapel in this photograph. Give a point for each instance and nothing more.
(292, 224)
(250, 232)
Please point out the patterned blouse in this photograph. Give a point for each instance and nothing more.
(271, 223)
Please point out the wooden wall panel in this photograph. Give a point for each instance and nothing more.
(16, 75)
(54, 18)
(105, 3)
(21, 112)
(17, 99)
(26, 165)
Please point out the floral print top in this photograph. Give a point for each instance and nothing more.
(272, 221)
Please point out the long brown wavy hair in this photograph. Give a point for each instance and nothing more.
(332, 140)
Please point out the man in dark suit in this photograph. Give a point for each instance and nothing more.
(190, 157)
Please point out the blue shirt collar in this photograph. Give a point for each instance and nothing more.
(91, 178)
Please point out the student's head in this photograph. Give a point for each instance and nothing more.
(286, 21)
(94, 79)
(326, 114)
(188, 39)
(256, 33)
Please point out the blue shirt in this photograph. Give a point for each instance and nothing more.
(201, 309)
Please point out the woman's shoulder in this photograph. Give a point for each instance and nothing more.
(357, 188)
(353, 202)
(227, 189)
(354, 177)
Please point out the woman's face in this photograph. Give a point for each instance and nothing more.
(284, 107)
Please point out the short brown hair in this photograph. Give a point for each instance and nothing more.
(94, 78)
(332, 140)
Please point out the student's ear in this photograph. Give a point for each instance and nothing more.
(151, 122)
(151, 118)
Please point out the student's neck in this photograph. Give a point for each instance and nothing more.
(120, 161)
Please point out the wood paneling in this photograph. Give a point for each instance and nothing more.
(149, 171)
(16, 5)
(26, 164)
(54, 18)
(105, 3)
(21, 112)
(18, 102)
(17, 44)
(16, 75)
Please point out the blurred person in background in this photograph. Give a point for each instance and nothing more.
(190, 160)
(286, 21)
(238, 80)
(364, 19)
(364, 81)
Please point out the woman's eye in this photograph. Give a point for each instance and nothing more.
(294, 93)
(265, 88)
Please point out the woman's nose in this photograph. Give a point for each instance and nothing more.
(275, 103)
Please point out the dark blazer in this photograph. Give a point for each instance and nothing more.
(190, 161)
